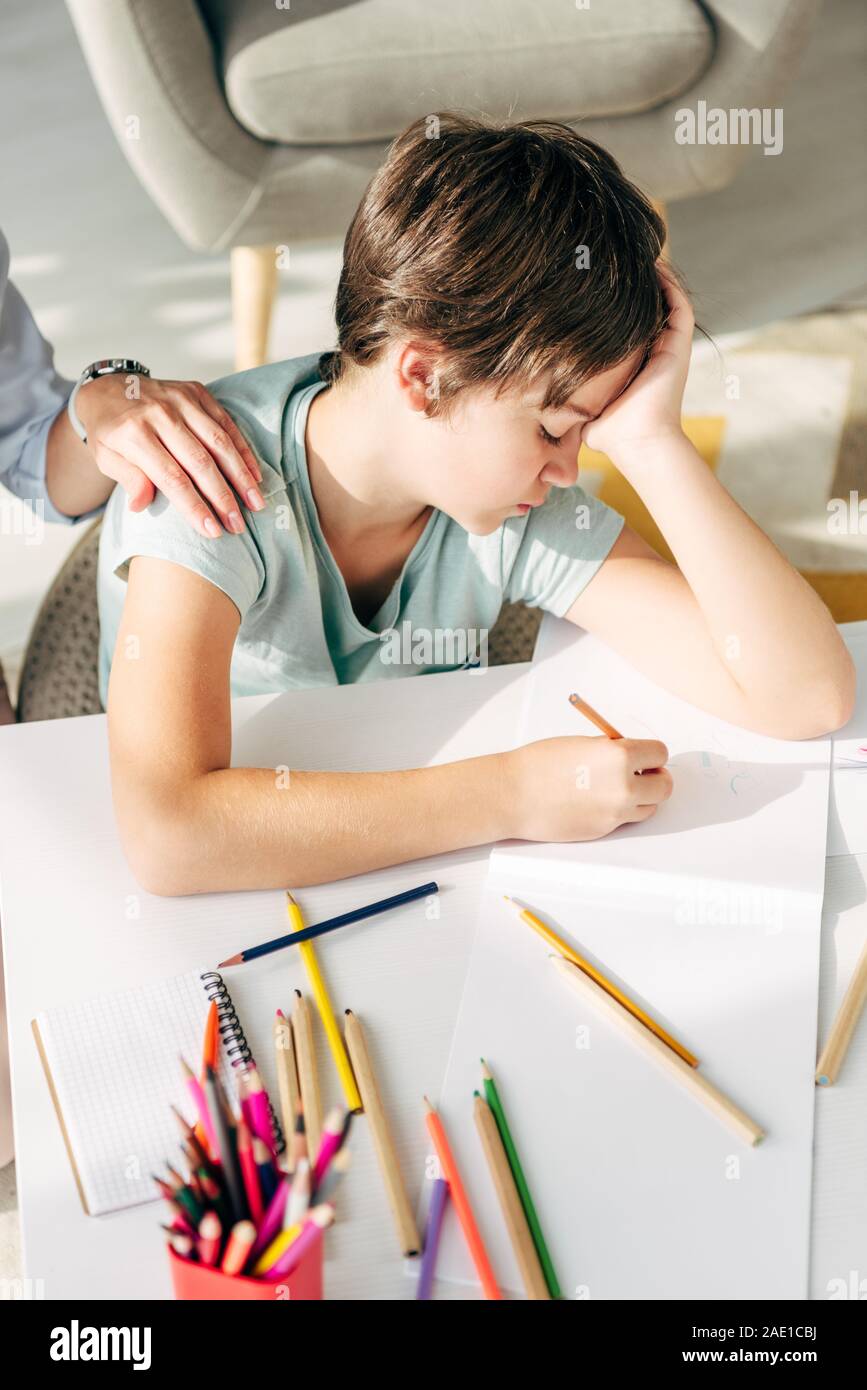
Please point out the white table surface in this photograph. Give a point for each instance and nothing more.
(75, 924)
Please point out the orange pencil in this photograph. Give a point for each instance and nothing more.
(458, 1195)
(212, 1039)
(595, 718)
(210, 1049)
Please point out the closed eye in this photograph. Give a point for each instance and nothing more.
(549, 438)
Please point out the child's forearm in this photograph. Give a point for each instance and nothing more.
(241, 828)
(768, 626)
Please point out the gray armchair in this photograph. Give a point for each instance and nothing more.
(255, 124)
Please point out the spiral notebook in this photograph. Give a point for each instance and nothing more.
(113, 1070)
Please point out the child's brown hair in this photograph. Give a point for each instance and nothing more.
(514, 250)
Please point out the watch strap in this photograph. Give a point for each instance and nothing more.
(105, 366)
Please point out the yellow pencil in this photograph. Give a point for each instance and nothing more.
(326, 1012)
(548, 934)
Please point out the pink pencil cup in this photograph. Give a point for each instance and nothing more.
(196, 1282)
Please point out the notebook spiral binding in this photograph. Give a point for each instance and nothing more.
(234, 1039)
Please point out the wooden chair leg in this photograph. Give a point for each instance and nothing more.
(254, 285)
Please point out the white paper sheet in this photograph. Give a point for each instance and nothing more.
(709, 917)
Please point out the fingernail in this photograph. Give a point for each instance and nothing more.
(235, 521)
(255, 499)
(212, 528)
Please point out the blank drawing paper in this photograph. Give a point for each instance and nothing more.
(708, 916)
(115, 1070)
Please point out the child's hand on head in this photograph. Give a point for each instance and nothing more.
(650, 407)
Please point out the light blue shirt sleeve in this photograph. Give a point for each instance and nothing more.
(554, 553)
(32, 393)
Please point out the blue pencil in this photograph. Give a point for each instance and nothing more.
(356, 915)
(432, 1237)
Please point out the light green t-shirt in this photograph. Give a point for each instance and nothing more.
(298, 627)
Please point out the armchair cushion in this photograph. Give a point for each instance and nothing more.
(350, 74)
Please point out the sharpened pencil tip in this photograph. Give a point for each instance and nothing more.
(298, 994)
(289, 898)
(233, 960)
(428, 1104)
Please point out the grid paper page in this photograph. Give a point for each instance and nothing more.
(114, 1063)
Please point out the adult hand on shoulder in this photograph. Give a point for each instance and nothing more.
(172, 438)
(649, 410)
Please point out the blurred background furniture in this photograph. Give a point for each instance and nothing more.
(257, 127)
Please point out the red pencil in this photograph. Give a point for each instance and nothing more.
(249, 1172)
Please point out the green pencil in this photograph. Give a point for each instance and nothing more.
(493, 1099)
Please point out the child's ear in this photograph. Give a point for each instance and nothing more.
(418, 375)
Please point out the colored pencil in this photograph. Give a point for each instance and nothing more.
(278, 1247)
(518, 1230)
(225, 1146)
(238, 1247)
(358, 914)
(273, 1218)
(210, 1238)
(211, 1048)
(332, 1133)
(308, 1075)
(695, 1083)
(249, 1174)
(197, 1096)
(260, 1111)
(492, 1096)
(432, 1230)
(386, 1153)
(266, 1169)
(299, 1193)
(326, 1011)
(298, 1144)
(337, 1170)
(288, 1089)
(843, 1027)
(548, 934)
(461, 1202)
(318, 1218)
(595, 718)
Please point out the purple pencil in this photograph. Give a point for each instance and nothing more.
(432, 1237)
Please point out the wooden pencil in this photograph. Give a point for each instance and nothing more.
(593, 715)
(695, 1083)
(563, 948)
(843, 1027)
(492, 1096)
(308, 1075)
(519, 1232)
(398, 1199)
(288, 1090)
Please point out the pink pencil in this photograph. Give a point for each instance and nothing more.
(315, 1222)
(197, 1096)
(259, 1113)
(328, 1144)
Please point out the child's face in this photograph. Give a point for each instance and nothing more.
(492, 460)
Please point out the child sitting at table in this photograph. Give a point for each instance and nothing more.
(502, 300)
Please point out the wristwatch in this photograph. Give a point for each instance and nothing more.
(106, 366)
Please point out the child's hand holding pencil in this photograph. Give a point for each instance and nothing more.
(577, 788)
